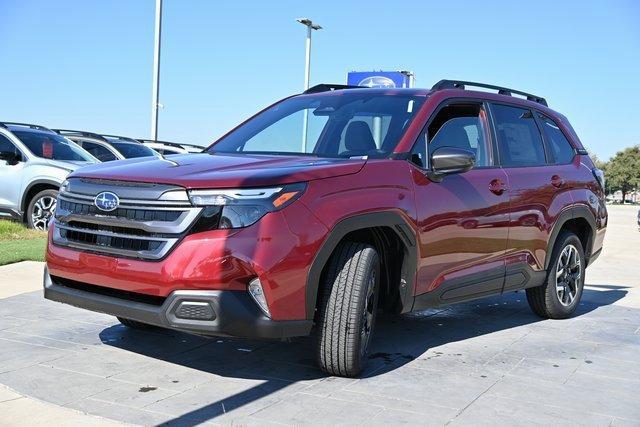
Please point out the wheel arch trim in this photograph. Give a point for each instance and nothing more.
(571, 213)
(49, 182)
(392, 219)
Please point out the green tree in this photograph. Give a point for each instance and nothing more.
(622, 172)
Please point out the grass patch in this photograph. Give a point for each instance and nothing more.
(18, 243)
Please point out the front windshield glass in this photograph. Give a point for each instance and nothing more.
(354, 123)
(130, 150)
(53, 146)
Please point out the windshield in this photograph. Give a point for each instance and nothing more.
(130, 151)
(53, 146)
(354, 123)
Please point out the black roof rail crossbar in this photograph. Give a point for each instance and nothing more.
(71, 132)
(167, 143)
(461, 84)
(121, 138)
(326, 87)
(29, 125)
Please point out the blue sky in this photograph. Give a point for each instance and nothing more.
(88, 64)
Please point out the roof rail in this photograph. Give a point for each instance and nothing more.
(460, 84)
(326, 87)
(121, 138)
(167, 143)
(29, 125)
(70, 132)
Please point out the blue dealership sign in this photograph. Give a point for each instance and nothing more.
(382, 79)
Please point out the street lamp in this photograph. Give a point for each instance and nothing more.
(307, 74)
(307, 69)
(155, 104)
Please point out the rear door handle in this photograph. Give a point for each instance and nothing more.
(556, 181)
(497, 187)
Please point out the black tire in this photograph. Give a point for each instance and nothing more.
(347, 308)
(547, 300)
(37, 217)
(134, 324)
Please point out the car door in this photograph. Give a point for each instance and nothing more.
(10, 176)
(537, 192)
(463, 219)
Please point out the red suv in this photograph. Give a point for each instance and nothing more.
(329, 205)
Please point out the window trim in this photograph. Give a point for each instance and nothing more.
(483, 103)
(23, 156)
(533, 111)
(548, 144)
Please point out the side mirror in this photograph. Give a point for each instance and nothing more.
(10, 157)
(450, 160)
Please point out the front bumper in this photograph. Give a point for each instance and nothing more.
(216, 313)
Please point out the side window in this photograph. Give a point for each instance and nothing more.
(98, 151)
(519, 139)
(7, 146)
(561, 149)
(460, 126)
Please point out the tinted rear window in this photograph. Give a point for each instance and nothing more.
(130, 151)
(519, 139)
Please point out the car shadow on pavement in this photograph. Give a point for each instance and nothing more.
(279, 365)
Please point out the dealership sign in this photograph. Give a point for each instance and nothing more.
(382, 79)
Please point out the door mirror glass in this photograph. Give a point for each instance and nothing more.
(450, 160)
(10, 157)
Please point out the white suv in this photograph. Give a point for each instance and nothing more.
(34, 161)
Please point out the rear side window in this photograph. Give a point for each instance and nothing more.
(98, 151)
(561, 150)
(519, 140)
(7, 146)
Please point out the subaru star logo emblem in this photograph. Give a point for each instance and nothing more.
(106, 201)
(377, 81)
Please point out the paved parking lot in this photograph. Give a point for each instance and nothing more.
(482, 363)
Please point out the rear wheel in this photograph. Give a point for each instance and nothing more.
(559, 297)
(134, 324)
(41, 208)
(347, 308)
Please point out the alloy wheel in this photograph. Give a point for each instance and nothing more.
(43, 209)
(368, 313)
(568, 275)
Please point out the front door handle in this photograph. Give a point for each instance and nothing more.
(497, 187)
(556, 181)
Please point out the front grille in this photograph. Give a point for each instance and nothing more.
(131, 214)
(143, 226)
(113, 242)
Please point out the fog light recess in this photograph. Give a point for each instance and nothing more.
(255, 290)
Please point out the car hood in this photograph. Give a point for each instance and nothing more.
(222, 170)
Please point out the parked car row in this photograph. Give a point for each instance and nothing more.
(35, 160)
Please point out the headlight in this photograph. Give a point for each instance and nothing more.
(64, 186)
(244, 206)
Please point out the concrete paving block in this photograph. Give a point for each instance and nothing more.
(224, 397)
(585, 399)
(304, 409)
(166, 375)
(410, 383)
(490, 410)
(17, 355)
(394, 417)
(120, 413)
(134, 395)
(53, 385)
(99, 362)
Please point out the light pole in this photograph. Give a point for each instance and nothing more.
(307, 74)
(155, 103)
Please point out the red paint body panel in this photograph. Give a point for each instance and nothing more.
(461, 227)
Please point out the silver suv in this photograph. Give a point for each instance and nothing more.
(34, 161)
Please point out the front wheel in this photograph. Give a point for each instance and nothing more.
(347, 308)
(559, 297)
(41, 209)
